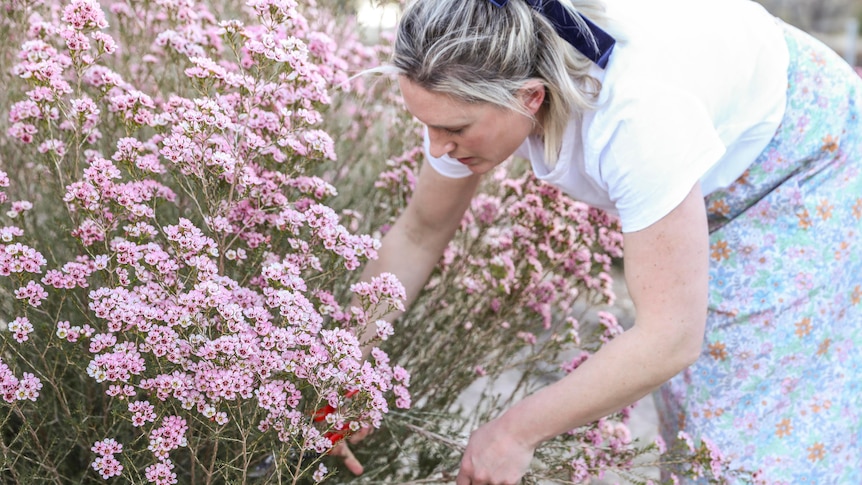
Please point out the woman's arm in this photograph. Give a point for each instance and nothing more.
(412, 248)
(415, 243)
(666, 272)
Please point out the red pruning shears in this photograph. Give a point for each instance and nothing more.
(320, 415)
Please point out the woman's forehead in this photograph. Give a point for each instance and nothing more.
(435, 108)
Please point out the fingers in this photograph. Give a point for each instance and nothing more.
(463, 477)
(360, 435)
(350, 462)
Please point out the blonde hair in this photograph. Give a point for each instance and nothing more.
(478, 52)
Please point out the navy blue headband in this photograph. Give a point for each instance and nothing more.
(598, 49)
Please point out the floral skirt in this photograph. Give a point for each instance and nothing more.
(778, 386)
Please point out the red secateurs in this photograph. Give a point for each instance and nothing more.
(320, 415)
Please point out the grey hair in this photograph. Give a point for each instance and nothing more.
(478, 52)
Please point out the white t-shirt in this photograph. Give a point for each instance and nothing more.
(694, 90)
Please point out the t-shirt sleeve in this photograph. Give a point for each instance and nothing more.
(659, 148)
(445, 165)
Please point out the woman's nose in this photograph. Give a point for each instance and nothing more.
(439, 145)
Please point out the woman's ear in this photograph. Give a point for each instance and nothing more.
(532, 94)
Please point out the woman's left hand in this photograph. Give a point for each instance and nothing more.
(494, 456)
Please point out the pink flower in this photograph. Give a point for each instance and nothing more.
(108, 446)
(33, 292)
(609, 322)
(105, 43)
(716, 458)
(142, 412)
(168, 437)
(10, 232)
(19, 207)
(119, 365)
(161, 473)
(320, 473)
(107, 466)
(21, 329)
(28, 387)
(384, 329)
(84, 15)
(660, 444)
(55, 147)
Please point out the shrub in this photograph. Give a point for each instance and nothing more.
(174, 245)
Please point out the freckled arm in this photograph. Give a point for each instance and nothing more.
(667, 273)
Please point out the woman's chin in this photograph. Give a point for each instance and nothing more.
(480, 168)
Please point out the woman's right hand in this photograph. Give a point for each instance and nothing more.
(342, 450)
(411, 249)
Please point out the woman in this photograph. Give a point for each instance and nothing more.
(728, 144)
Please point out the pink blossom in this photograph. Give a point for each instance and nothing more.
(384, 286)
(142, 412)
(105, 43)
(161, 473)
(716, 458)
(21, 329)
(103, 78)
(320, 473)
(33, 292)
(10, 232)
(77, 41)
(168, 437)
(22, 131)
(580, 471)
(107, 466)
(28, 387)
(25, 110)
(120, 391)
(660, 444)
(119, 365)
(108, 446)
(528, 337)
(384, 329)
(609, 322)
(102, 341)
(84, 15)
(19, 207)
(56, 147)
(575, 362)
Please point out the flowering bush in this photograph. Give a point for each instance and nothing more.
(178, 271)
(174, 244)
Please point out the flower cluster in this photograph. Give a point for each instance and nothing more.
(197, 253)
(605, 446)
(20, 258)
(20, 328)
(142, 412)
(15, 389)
(701, 460)
(105, 463)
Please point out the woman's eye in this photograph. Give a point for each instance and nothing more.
(454, 131)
